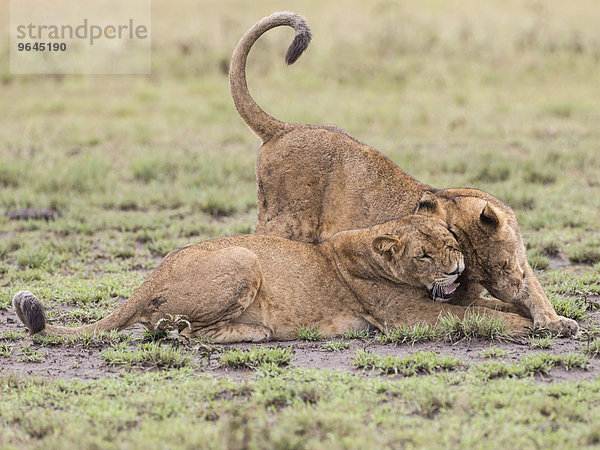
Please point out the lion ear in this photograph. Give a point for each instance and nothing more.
(388, 246)
(429, 205)
(489, 217)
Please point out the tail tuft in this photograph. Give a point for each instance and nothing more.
(298, 45)
(30, 311)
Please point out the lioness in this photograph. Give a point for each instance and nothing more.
(257, 288)
(313, 181)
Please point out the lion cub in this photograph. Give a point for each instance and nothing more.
(257, 288)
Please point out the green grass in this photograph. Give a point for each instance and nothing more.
(5, 349)
(535, 364)
(335, 346)
(403, 334)
(417, 363)
(257, 357)
(12, 335)
(308, 409)
(472, 326)
(493, 352)
(309, 333)
(542, 342)
(150, 354)
(30, 354)
(361, 334)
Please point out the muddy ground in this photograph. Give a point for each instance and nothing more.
(70, 361)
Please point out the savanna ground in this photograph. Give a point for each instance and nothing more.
(502, 96)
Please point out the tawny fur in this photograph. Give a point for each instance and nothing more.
(257, 288)
(313, 181)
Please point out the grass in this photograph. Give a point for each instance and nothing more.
(472, 326)
(536, 364)
(461, 94)
(5, 349)
(493, 352)
(307, 409)
(335, 346)
(404, 334)
(12, 335)
(309, 333)
(542, 342)
(417, 363)
(259, 356)
(29, 354)
(360, 334)
(150, 354)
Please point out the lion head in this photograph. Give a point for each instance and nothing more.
(489, 237)
(422, 252)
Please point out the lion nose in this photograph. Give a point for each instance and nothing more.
(457, 271)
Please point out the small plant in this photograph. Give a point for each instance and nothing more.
(417, 363)
(404, 334)
(47, 340)
(572, 307)
(29, 354)
(493, 352)
(590, 336)
(592, 349)
(5, 350)
(151, 354)
(335, 346)
(360, 334)
(543, 343)
(252, 359)
(472, 326)
(11, 335)
(536, 364)
(311, 333)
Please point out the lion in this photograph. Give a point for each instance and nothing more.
(313, 181)
(258, 288)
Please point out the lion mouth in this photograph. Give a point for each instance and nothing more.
(441, 293)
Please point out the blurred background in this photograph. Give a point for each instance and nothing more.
(500, 95)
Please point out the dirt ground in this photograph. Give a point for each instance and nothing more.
(66, 361)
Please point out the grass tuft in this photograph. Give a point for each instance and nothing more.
(5, 349)
(360, 334)
(472, 326)
(12, 335)
(311, 333)
(572, 307)
(542, 342)
(493, 352)
(404, 334)
(336, 346)
(417, 363)
(259, 356)
(29, 354)
(151, 354)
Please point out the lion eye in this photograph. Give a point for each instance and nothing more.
(425, 257)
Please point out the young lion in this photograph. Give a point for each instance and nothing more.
(316, 180)
(257, 288)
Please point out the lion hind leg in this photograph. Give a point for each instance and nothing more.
(228, 333)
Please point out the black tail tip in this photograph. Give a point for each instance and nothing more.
(30, 311)
(297, 47)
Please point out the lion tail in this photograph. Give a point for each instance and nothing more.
(259, 121)
(32, 313)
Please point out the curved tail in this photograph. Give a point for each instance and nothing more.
(32, 313)
(259, 121)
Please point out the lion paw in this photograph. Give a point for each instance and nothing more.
(563, 327)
